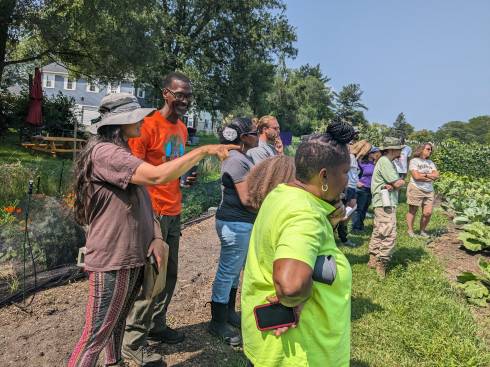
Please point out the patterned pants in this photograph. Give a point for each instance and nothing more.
(111, 296)
(383, 238)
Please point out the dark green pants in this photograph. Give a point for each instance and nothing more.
(148, 316)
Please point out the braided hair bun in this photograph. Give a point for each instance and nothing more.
(341, 132)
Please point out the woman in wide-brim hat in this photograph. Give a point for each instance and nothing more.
(112, 202)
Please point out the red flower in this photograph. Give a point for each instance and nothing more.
(9, 209)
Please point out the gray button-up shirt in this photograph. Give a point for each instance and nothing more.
(263, 151)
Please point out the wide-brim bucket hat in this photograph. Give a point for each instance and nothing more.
(391, 143)
(119, 109)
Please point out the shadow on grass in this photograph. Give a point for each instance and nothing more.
(357, 259)
(438, 231)
(362, 306)
(405, 255)
(356, 363)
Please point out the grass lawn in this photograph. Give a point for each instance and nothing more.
(414, 317)
(19, 165)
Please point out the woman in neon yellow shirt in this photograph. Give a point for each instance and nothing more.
(293, 228)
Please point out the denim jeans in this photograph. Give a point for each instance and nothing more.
(234, 237)
(363, 201)
(350, 193)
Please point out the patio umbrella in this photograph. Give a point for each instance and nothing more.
(34, 113)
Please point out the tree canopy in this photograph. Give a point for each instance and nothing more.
(476, 130)
(301, 99)
(401, 128)
(348, 105)
(224, 45)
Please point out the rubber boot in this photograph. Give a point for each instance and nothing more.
(233, 316)
(219, 326)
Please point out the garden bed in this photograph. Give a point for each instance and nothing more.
(415, 317)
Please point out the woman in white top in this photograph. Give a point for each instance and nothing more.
(420, 190)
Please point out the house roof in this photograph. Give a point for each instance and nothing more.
(54, 68)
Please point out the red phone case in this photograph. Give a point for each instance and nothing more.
(275, 326)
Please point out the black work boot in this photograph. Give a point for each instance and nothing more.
(233, 316)
(219, 326)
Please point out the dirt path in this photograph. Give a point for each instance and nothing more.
(47, 335)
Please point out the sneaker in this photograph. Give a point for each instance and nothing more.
(143, 356)
(411, 234)
(424, 234)
(349, 243)
(167, 336)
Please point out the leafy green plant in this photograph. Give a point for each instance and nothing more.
(475, 286)
(466, 198)
(52, 232)
(475, 236)
(462, 158)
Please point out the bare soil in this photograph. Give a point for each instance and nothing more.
(47, 334)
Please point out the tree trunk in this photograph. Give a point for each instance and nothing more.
(6, 11)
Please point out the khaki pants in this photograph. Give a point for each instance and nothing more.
(383, 238)
(148, 316)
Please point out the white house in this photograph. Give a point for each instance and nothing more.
(88, 94)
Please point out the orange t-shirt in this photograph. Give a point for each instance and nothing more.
(160, 142)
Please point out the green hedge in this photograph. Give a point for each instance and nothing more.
(463, 159)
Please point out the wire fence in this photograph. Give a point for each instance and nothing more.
(39, 239)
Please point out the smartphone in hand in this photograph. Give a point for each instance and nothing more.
(273, 316)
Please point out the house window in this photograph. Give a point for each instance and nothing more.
(48, 80)
(92, 87)
(70, 84)
(113, 88)
(206, 124)
(140, 93)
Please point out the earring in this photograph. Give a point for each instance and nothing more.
(325, 187)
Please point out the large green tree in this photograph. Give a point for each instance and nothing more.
(422, 136)
(349, 106)
(225, 45)
(301, 99)
(401, 127)
(476, 130)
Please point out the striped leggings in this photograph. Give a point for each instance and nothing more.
(111, 296)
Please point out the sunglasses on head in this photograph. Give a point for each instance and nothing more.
(252, 133)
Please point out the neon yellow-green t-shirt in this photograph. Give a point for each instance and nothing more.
(293, 223)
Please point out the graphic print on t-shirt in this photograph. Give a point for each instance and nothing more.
(173, 148)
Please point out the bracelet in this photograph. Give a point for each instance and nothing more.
(158, 238)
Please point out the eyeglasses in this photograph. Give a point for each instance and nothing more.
(179, 96)
(277, 128)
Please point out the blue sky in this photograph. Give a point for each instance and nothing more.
(427, 58)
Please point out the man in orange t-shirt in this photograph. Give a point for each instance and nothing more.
(163, 138)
